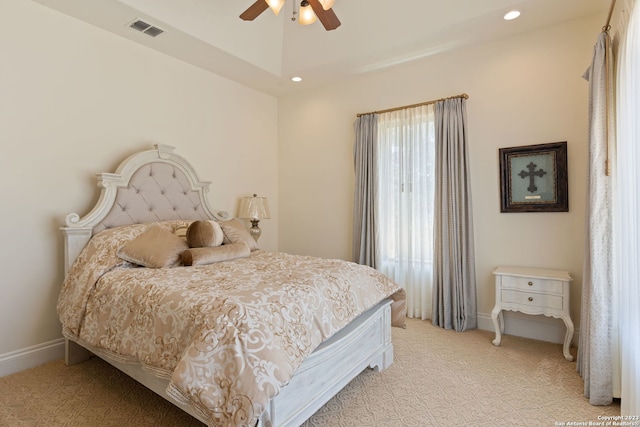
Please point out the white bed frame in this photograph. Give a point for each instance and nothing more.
(366, 342)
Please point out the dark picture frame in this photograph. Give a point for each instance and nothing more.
(533, 178)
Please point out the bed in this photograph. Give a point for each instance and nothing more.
(232, 334)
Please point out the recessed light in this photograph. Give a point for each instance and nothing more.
(296, 79)
(509, 16)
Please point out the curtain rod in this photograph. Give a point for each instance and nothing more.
(607, 26)
(464, 95)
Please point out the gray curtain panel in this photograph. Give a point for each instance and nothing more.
(595, 361)
(364, 201)
(454, 281)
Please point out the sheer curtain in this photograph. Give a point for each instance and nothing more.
(406, 166)
(627, 212)
(454, 292)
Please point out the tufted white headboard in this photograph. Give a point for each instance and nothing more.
(153, 185)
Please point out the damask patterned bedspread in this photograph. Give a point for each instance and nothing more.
(228, 335)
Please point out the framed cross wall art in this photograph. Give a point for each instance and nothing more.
(533, 178)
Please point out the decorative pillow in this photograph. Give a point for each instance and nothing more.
(201, 234)
(399, 309)
(157, 247)
(209, 255)
(235, 231)
(181, 231)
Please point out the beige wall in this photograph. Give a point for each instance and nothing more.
(75, 100)
(524, 90)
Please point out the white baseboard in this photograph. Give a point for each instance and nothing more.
(540, 328)
(29, 357)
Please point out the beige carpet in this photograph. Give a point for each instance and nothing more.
(438, 378)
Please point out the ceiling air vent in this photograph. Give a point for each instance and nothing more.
(146, 28)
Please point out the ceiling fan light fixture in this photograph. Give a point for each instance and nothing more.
(307, 16)
(309, 12)
(276, 5)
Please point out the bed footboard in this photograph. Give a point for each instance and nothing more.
(365, 342)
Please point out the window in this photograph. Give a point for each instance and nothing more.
(406, 177)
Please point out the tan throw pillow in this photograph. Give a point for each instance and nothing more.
(399, 309)
(210, 255)
(235, 231)
(155, 248)
(202, 234)
(181, 231)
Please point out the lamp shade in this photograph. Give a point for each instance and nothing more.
(276, 5)
(254, 208)
(307, 16)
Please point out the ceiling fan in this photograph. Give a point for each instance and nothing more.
(309, 11)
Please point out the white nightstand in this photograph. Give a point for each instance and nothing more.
(532, 291)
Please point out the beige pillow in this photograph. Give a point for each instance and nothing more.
(399, 309)
(155, 248)
(209, 255)
(235, 231)
(202, 234)
(181, 231)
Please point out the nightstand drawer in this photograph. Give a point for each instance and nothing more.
(532, 284)
(532, 299)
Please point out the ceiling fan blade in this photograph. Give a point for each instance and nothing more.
(254, 10)
(327, 17)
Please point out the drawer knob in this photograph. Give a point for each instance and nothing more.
(530, 298)
(530, 283)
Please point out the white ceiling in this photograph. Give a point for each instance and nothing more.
(267, 52)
